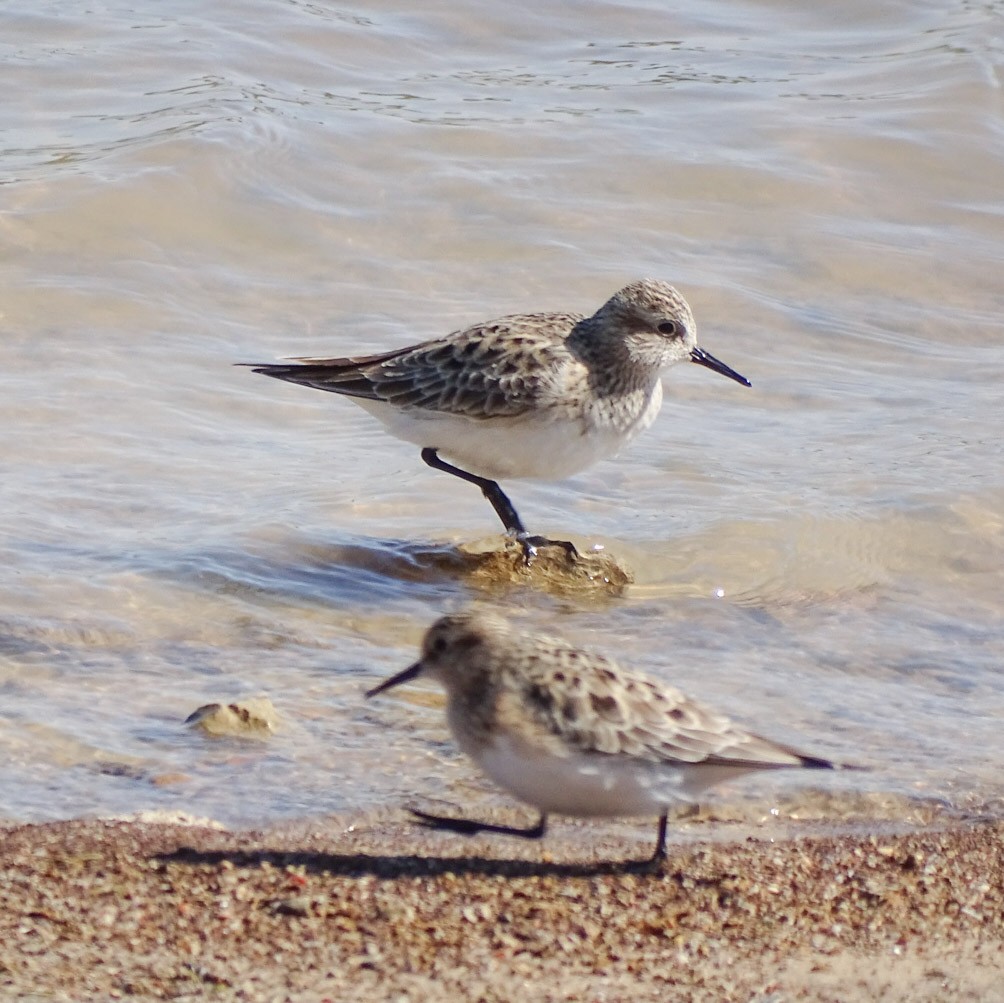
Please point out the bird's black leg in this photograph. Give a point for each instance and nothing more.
(499, 501)
(654, 862)
(490, 489)
(469, 827)
(660, 844)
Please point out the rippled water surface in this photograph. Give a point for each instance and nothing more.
(188, 186)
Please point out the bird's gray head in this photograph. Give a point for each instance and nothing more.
(456, 649)
(657, 325)
(655, 307)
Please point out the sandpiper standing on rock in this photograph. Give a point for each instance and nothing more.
(572, 733)
(540, 395)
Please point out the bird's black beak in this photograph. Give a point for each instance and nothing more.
(402, 677)
(703, 358)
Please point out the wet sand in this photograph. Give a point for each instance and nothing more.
(371, 907)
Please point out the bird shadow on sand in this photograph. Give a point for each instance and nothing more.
(357, 865)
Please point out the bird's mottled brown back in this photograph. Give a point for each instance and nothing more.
(504, 368)
(594, 706)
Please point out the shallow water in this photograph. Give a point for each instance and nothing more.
(188, 187)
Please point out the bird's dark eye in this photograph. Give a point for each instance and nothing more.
(439, 645)
(668, 327)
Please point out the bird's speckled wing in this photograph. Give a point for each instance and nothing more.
(594, 706)
(498, 369)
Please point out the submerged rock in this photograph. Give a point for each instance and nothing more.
(554, 568)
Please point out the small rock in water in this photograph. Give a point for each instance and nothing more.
(254, 718)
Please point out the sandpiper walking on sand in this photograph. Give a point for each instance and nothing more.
(530, 395)
(572, 733)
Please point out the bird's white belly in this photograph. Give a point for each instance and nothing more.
(582, 785)
(549, 445)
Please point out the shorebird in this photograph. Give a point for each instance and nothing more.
(570, 732)
(541, 395)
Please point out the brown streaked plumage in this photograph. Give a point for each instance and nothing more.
(540, 395)
(571, 732)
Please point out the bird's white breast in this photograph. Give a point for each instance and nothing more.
(550, 444)
(583, 785)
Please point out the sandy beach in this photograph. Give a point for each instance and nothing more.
(372, 907)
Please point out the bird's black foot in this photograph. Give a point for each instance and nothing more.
(650, 865)
(653, 864)
(470, 827)
(531, 544)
